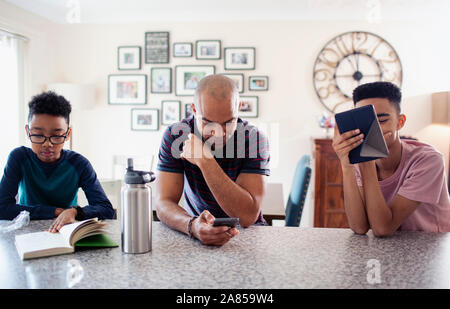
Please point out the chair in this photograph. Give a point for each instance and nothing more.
(299, 189)
(272, 205)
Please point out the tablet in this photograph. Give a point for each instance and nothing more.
(365, 119)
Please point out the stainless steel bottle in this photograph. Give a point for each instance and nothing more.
(136, 216)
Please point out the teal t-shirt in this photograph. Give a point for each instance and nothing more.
(43, 187)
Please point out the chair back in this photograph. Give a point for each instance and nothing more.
(299, 189)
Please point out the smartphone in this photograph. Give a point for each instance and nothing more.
(230, 222)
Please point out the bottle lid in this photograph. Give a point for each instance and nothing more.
(137, 177)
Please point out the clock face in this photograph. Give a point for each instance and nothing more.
(349, 60)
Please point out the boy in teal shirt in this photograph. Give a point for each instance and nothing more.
(46, 177)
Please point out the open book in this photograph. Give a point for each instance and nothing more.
(87, 233)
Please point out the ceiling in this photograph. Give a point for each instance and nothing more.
(132, 11)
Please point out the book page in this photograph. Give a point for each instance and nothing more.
(35, 242)
(69, 229)
(91, 228)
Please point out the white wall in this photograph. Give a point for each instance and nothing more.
(38, 52)
(285, 51)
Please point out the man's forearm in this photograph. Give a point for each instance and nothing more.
(173, 215)
(232, 198)
(378, 212)
(353, 203)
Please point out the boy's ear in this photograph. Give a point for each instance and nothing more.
(69, 133)
(401, 121)
(27, 129)
(193, 109)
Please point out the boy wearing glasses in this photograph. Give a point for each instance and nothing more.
(46, 177)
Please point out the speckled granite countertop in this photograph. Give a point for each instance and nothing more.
(260, 257)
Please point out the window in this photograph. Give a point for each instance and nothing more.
(11, 93)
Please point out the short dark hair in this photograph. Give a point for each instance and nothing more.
(49, 103)
(383, 90)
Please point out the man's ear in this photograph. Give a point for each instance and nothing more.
(401, 121)
(69, 133)
(27, 130)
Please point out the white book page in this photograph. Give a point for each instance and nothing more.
(67, 230)
(40, 241)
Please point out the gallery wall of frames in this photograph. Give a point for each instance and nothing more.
(131, 87)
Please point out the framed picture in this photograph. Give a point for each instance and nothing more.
(125, 89)
(144, 119)
(129, 57)
(240, 58)
(171, 112)
(258, 83)
(249, 108)
(157, 47)
(188, 112)
(188, 76)
(161, 80)
(208, 49)
(182, 49)
(238, 78)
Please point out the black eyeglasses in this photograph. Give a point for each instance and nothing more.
(54, 139)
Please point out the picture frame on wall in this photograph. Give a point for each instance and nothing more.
(157, 47)
(208, 50)
(171, 112)
(238, 78)
(258, 83)
(129, 57)
(188, 112)
(239, 58)
(249, 107)
(182, 49)
(127, 89)
(161, 80)
(188, 76)
(144, 119)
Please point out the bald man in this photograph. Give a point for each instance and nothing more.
(217, 160)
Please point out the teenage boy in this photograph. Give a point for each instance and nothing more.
(408, 189)
(46, 177)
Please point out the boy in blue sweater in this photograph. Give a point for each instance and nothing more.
(46, 177)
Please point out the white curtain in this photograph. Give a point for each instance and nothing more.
(11, 93)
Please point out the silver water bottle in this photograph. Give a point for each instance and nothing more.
(136, 217)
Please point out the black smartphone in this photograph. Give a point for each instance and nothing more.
(230, 222)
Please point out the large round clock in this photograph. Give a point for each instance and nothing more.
(349, 60)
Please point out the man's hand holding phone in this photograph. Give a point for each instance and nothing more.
(204, 230)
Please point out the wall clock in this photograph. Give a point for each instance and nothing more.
(349, 60)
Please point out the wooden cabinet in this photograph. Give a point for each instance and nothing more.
(328, 194)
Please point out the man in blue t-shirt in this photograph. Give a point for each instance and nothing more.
(46, 177)
(217, 160)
